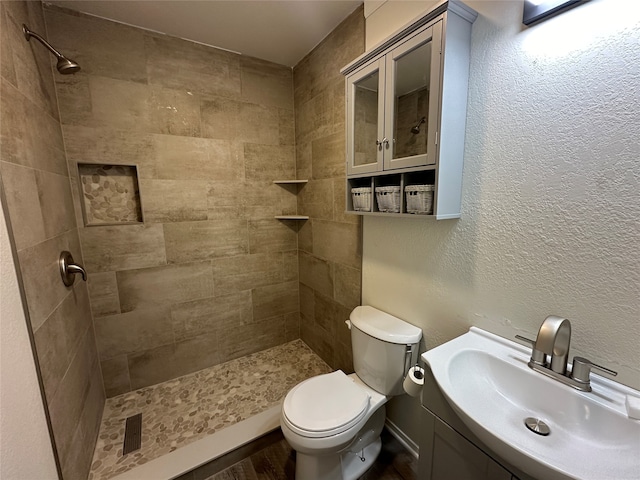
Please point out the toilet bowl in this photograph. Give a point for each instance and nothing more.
(334, 421)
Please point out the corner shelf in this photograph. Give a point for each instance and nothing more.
(296, 183)
(291, 217)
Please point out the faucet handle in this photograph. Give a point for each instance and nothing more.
(582, 368)
(538, 357)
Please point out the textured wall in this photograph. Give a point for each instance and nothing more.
(25, 448)
(211, 275)
(550, 196)
(330, 241)
(39, 202)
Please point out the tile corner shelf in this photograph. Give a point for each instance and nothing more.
(292, 217)
(290, 182)
(296, 183)
(110, 194)
(406, 113)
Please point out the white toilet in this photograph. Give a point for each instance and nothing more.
(334, 421)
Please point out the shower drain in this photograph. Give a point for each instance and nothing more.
(537, 426)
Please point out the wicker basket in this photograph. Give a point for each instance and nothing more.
(361, 199)
(388, 199)
(419, 199)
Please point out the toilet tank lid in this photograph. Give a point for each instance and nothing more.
(383, 326)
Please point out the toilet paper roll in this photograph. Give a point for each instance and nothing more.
(414, 381)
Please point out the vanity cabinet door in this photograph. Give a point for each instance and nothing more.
(365, 119)
(412, 100)
(445, 455)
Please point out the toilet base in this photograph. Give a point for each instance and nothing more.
(345, 466)
(354, 467)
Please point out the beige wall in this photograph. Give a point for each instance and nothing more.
(211, 275)
(36, 182)
(330, 241)
(550, 194)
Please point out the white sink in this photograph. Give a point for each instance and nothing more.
(487, 381)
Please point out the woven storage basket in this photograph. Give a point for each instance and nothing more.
(419, 199)
(388, 199)
(361, 199)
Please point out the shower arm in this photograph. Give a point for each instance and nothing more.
(28, 34)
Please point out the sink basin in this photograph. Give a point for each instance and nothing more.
(486, 380)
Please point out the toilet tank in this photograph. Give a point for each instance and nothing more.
(384, 348)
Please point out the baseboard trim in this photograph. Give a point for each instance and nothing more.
(410, 445)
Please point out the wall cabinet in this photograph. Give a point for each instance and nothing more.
(406, 111)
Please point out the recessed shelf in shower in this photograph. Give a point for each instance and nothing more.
(110, 194)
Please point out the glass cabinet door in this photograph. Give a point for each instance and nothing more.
(413, 92)
(365, 111)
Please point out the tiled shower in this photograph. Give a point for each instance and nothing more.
(209, 275)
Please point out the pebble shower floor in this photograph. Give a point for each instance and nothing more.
(181, 411)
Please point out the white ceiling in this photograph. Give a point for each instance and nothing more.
(280, 31)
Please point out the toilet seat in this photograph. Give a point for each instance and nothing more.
(325, 405)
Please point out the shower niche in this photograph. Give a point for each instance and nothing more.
(406, 111)
(110, 194)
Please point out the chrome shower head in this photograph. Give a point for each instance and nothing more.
(65, 65)
(416, 130)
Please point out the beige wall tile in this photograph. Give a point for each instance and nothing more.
(316, 273)
(103, 294)
(132, 332)
(41, 275)
(290, 266)
(338, 242)
(194, 241)
(252, 338)
(151, 287)
(318, 339)
(173, 200)
(305, 237)
(328, 156)
(152, 109)
(107, 146)
(32, 138)
(307, 302)
(292, 326)
(339, 203)
(101, 47)
(347, 285)
(286, 127)
(269, 162)
(258, 124)
(180, 64)
(115, 372)
(32, 67)
(220, 118)
(303, 160)
(266, 83)
(122, 247)
(66, 406)
(22, 202)
(330, 315)
(244, 272)
(56, 203)
(7, 66)
(188, 158)
(272, 236)
(170, 361)
(273, 300)
(314, 118)
(313, 199)
(209, 315)
(57, 338)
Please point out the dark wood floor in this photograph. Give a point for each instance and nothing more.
(277, 462)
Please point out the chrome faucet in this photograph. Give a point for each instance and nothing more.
(550, 352)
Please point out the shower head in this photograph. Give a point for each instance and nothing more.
(65, 65)
(416, 130)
